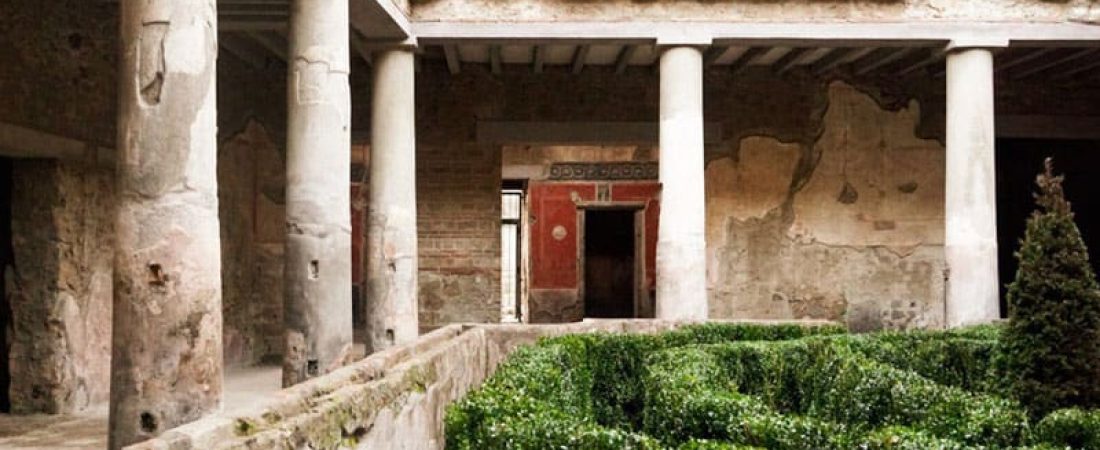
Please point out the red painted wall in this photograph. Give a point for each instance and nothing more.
(357, 237)
(554, 260)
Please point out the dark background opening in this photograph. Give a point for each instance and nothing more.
(6, 259)
(1018, 162)
(609, 263)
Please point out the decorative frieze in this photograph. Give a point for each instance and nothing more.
(604, 171)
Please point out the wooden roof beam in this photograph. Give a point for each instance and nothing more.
(714, 53)
(1052, 63)
(579, 58)
(787, 61)
(879, 58)
(829, 61)
(359, 45)
(272, 42)
(624, 58)
(931, 57)
(1082, 68)
(450, 53)
(1029, 56)
(748, 56)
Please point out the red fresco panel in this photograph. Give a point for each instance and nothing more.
(554, 256)
(356, 240)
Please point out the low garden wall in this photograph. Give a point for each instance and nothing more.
(394, 399)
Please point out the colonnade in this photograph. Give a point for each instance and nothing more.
(166, 361)
(167, 344)
(970, 229)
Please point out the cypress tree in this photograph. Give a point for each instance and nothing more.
(1050, 349)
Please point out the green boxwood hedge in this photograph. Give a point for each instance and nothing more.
(739, 386)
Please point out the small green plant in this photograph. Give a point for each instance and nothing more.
(1050, 349)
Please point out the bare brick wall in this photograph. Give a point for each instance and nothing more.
(458, 195)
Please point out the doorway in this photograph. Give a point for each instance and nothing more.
(1018, 162)
(609, 263)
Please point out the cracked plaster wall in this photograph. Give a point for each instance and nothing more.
(251, 182)
(60, 294)
(848, 228)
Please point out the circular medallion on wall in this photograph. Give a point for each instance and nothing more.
(559, 232)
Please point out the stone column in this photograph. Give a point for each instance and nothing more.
(970, 244)
(166, 358)
(317, 268)
(391, 230)
(681, 247)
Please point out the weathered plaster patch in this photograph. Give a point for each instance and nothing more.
(867, 152)
(754, 181)
(60, 289)
(181, 55)
(849, 231)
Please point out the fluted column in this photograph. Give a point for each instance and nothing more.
(166, 358)
(317, 306)
(681, 247)
(391, 232)
(970, 244)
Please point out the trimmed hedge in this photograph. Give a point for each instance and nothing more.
(737, 386)
(1070, 427)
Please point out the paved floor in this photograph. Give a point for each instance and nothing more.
(88, 430)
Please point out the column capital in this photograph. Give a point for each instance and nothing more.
(409, 44)
(969, 42)
(684, 37)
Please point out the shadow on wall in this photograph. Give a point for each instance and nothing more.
(5, 264)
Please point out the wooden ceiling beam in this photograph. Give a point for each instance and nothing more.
(625, 55)
(788, 60)
(1040, 67)
(931, 56)
(1029, 56)
(714, 53)
(580, 57)
(879, 58)
(272, 42)
(450, 53)
(747, 57)
(829, 61)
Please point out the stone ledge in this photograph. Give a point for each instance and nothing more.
(392, 399)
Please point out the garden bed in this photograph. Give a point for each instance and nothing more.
(723, 386)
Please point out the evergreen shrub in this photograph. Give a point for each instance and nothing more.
(1051, 345)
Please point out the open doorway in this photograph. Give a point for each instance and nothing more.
(512, 250)
(609, 263)
(1018, 162)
